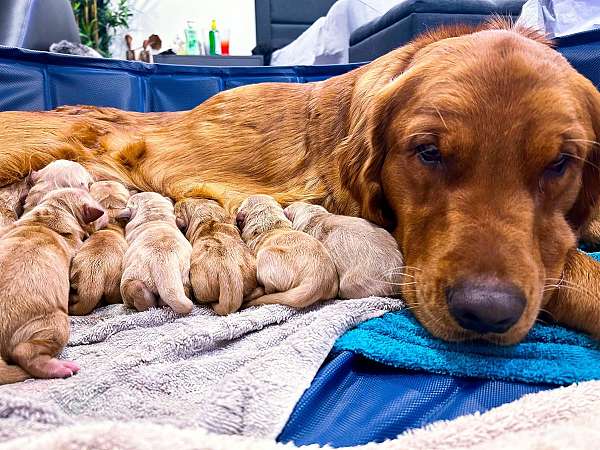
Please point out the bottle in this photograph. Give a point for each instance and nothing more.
(191, 41)
(214, 42)
(179, 46)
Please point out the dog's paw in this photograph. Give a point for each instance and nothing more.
(56, 368)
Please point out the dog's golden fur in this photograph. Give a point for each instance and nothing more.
(294, 268)
(499, 102)
(366, 256)
(156, 268)
(35, 254)
(98, 265)
(222, 268)
(12, 199)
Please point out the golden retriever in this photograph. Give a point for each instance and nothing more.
(294, 268)
(98, 265)
(222, 267)
(477, 149)
(35, 254)
(366, 257)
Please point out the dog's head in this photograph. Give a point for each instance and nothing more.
(258, 214)
(112, 195)
(483, 149)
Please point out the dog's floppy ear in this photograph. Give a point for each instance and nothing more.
(34, 177)
(182, 218)
(588, 199)
(364, 151)
(91, 212)
(125, 215)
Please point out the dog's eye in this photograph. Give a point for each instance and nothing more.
(558, 166)
(429, 154)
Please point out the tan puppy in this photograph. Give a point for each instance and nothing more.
(157, 262)
(57, 174)
(366, 256)
(294, 268)
(97, 267)
(35, 254)
(223, 268)
(11, 201)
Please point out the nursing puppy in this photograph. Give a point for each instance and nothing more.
(12, 198)
(294, 268)
(57, 174)
(157, 262)
(97, 267)
(223, 268)
(35, 254)
(366, 257)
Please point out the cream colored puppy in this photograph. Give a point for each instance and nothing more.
(58, 174)
(98, 265)
(157, 262)
(12, 198)
(35, 255)
(294, 268)
(223, 268)
(366, 257)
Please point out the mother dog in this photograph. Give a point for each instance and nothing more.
(477, 148)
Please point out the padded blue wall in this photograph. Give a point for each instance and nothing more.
(37, 80)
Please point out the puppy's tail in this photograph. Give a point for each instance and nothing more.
(299, 297)
(88, 293)
(167, 277)
(231, 291)
(11, 374)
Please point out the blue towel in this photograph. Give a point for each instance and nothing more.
(550, 354)
(595, 255)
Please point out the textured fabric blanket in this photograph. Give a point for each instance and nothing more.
(551, 420)
(241, 374)
(550, 354)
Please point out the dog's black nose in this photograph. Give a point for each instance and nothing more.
(486, 307)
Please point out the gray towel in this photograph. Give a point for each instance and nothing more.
(241, 374)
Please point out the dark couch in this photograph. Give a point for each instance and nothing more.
(405, 21)
(279, 22)
(37, 24)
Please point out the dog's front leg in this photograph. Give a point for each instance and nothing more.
(576, 301)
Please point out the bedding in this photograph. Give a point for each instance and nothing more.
(239, 374)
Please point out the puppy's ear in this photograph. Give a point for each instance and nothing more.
(181, 224)
(34, 177)
(588, 199)
(125, 215)
(240, 219)
(91, 213)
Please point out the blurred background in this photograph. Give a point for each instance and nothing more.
(262, 32)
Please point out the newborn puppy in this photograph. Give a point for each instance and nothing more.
(294, 268)
(157, 261)
(366, 257)
(223, 268)
(57, 174)
(98, 265)
(12, 198)
(35, 254)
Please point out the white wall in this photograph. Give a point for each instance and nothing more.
(168, 18)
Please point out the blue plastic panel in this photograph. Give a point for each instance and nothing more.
(353, 401)
(37, 80)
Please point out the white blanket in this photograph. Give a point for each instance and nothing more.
(327, 40)
(241, 374)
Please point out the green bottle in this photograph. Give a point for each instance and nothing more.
(214, 41)
(191, 40)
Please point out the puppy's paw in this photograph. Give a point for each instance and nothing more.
(56, 368)
(182, 306)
